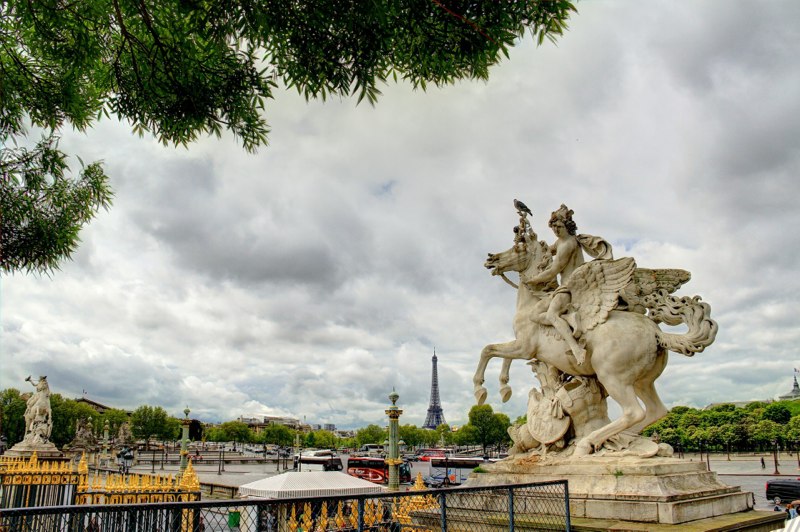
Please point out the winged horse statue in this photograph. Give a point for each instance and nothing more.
(614, 308)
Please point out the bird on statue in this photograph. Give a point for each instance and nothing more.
(521, 207)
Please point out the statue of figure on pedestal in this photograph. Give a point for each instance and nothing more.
(124, 436)
(38, 415)
(596, 330)
(84, 439)
(38, 423)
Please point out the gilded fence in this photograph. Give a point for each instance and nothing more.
(30, 482)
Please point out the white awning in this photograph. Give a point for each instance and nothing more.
(308, 484)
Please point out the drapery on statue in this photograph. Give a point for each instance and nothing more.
(596, 333)
(38, 415)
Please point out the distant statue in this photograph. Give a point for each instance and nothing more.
(38, 415)
(124, 436)
(84, 436)
(594, 334)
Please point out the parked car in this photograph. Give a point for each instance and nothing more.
(788, 489)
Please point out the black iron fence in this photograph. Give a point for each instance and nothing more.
(540, 506)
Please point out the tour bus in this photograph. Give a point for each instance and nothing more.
(311, 462)
(371, 449)
(375, 469)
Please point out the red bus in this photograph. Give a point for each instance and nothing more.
(375, 469)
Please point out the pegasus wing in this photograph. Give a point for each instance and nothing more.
(647, 281)
(595, 288)
(650, 281)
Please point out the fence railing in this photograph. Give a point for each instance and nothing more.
(540, 506)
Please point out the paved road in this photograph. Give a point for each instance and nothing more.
(744, 471)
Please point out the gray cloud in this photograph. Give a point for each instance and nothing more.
(312, 277)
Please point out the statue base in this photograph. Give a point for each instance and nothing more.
(44, 451)
(645, 490)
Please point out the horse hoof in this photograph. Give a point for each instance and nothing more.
(505, 393)
(480, 395)
(584, 448)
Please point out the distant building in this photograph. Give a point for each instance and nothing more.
(737, 404)
(330, 427)
(794, 394)
(97, 406)
(258, 424)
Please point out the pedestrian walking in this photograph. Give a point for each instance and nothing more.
(763, 465)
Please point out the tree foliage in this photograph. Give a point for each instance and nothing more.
(778, 413)
(115, 418)
(153, 422)
(485, 427)
(180, 69)
(12, 416)
(277, 435)
(725, 427)
(322, 439)
(66, 413)
(43, 208)
(370, 434)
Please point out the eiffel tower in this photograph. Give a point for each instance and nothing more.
(435, 416)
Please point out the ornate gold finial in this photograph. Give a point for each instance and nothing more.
(340, 522)
(83, 466)
(307, 521)
(189, 480)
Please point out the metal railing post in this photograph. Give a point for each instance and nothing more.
(566, 505)
(443, 507)
(361, 514)
(511, 509)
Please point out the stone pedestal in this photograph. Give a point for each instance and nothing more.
(646, 490)
(44, 451)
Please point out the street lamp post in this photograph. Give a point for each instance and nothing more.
(393, 459)
(105, 443)
(185, 439)
(298, 455)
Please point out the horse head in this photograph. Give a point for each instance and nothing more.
(515, 259)
(527, 256)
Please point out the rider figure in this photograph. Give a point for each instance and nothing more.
(38, 407)
(568, 256)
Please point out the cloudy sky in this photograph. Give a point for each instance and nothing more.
(313, 277)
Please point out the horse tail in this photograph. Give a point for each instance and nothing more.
(696, 314)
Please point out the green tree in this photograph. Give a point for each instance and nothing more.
(445, 434)
(181, 69)
(778, 413)
(411, 434)
(766, 432)
(370, 434)
(466, 435)
(115, 418)
(12, 415)
(236, 431)
(323, 439)
(151, 422)
(66, 413)
(488, 428)
(277, 435)
(430, 438)
(43, 207)
(792, 434)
